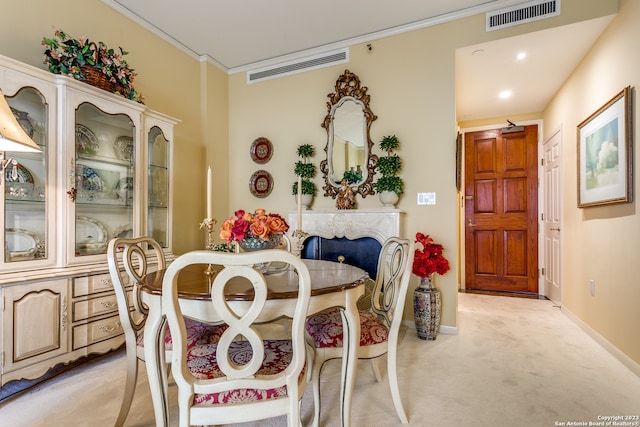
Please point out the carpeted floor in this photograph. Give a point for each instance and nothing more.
(515, 362)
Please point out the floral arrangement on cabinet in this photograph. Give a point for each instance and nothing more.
(429, 260)
(67, 56)
(259, 224)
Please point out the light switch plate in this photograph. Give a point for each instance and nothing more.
(426, 198)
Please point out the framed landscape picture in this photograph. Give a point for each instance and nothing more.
(604, 154)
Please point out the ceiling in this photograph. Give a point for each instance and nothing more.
(244, 34)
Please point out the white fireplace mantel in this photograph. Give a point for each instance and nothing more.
(379, 224)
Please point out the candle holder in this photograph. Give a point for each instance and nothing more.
(208, 223)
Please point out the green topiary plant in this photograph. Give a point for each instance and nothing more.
(305, 170)
(352, 177)
(389, 166)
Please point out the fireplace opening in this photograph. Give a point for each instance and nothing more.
(362, 252)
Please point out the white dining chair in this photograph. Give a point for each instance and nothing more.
(379, 326)
(130, 259)
(243, 377)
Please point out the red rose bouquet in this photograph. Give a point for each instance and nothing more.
(429, 260)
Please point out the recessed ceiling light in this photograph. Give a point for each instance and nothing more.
(505, 94)
(521, 56)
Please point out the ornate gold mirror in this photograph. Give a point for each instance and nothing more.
(349, 144)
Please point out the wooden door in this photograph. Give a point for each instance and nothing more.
(551, 212)
(501, 208)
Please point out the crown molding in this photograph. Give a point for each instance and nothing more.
(436, 20)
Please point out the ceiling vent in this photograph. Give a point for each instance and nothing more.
(298, 66)
(522, 13)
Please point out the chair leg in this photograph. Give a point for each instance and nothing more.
(375, 367)
(318, 361)
(130, 385)
(393, 385)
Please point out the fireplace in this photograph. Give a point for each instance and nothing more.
(357, 235)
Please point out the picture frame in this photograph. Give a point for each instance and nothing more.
(605, 150)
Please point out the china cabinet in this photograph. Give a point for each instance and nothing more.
(104, 171)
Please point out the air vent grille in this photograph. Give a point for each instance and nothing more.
(520, 14)
(299, 66)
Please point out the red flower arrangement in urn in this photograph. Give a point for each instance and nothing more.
(429, 260)
(426, 298)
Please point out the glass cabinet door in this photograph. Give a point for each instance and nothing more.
(104, 178)
(158, 178)
(25, 183)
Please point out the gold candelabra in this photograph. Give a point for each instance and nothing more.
(208, 223)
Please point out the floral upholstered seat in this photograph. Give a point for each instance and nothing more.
(203, 364)
(326, 328)
(197, 333)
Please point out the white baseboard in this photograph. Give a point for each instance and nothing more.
(612, 349)
(447, 330)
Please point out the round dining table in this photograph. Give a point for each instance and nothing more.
(333, 284)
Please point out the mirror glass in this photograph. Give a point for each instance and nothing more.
(349, 145)
(349, 150)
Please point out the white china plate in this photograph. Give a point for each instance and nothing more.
(91, 236)
(21, 244)
(86, 141)
(123, 147)
(124, 231)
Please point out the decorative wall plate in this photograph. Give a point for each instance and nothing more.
(86, 141)
(261, 183)
(24, 175)
(88, 179)
(123, 146)
(261, 150)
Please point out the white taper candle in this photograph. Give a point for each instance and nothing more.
(209, 205)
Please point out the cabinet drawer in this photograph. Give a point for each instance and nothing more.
(87, 309)
(93, 332)
(88, 285)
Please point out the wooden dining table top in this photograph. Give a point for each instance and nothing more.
(326, 277)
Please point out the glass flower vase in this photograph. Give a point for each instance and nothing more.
(255, 243)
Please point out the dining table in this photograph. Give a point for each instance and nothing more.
(333, 284)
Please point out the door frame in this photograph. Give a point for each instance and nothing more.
(461, 201)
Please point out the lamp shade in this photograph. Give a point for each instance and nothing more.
(12, 136)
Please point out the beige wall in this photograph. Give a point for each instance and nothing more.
(411, 83)
(601, 243)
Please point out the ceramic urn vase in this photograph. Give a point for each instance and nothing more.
(426, 308)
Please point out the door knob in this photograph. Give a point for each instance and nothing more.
(470, 224)
(468, 197)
